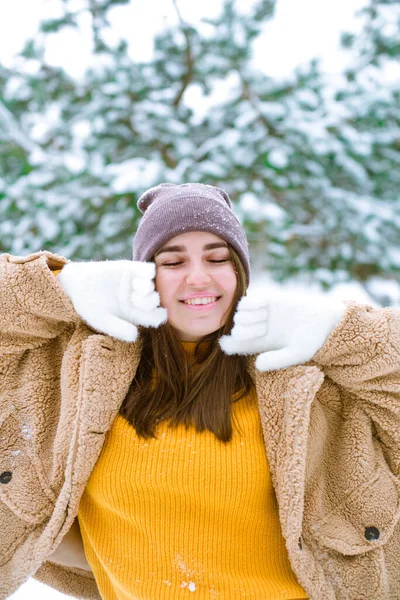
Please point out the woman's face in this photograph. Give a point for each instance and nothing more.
(191, 268)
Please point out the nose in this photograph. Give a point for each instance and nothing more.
(198, 275)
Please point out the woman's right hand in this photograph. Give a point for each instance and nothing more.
(115, 296)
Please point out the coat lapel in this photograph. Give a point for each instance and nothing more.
(285, 399)
(107, 369)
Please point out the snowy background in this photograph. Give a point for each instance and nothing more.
(95, 108)
(293, 108)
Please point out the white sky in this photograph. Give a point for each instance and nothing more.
(301, 29)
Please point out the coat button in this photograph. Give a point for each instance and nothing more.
(5, 477)
(372, 533)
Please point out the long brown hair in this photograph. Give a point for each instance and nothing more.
(167, 387)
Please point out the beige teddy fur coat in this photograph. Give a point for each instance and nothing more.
(331, 430)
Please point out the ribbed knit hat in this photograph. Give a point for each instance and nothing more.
(169, 209)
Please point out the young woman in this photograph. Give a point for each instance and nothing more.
(167, 432)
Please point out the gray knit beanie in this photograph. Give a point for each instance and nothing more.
(169, 209)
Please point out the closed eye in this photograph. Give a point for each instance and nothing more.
(174, 264)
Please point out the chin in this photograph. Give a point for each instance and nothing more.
(200, 332)
(193, 334)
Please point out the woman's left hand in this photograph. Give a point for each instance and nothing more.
(285, 329)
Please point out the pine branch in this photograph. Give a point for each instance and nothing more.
(15, 132)
(13, 129)
(248, 95)
(188, 58)
(97, 17)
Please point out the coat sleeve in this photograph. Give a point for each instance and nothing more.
(362, 356)
(33, 305)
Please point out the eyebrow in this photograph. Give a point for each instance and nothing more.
(183, 248)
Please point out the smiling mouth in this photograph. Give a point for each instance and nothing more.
(200, 302)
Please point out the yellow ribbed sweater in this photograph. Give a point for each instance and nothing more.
(186, 515)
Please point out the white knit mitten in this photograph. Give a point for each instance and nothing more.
(284, 328)
(114, 296)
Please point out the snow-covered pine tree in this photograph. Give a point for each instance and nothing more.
(370, 97)
(324, 187)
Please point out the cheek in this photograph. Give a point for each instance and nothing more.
(160, 284)
(165, 285)
(229, 283)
